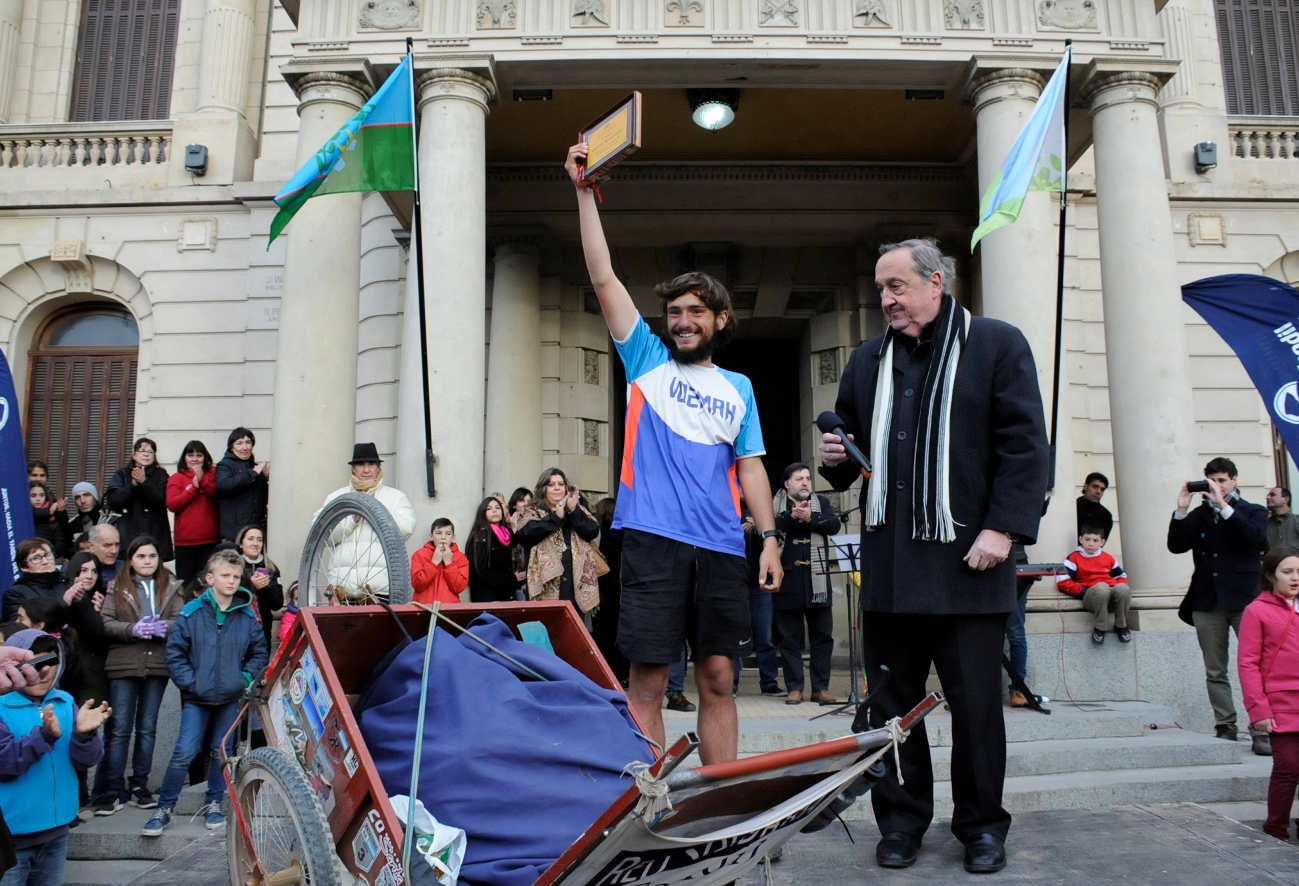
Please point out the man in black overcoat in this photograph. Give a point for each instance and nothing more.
(958, 443)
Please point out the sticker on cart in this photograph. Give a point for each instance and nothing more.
(335, 741)
(316, 683)
(312, 714)
(365, 847)
(385, 878)
(351, 764)
(275, 709)
(297, 686)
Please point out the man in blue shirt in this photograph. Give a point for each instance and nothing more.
(692, 444)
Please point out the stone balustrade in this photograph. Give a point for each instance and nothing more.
(1264, 138)
(133, 143)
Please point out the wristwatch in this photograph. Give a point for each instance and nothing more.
(774, 533)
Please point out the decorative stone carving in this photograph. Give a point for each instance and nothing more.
(963, 15)
(391, 15)
(778, 14)
(197, 233)
(78, 275)
(1069, 15)
(678, 13)
(870, 14)
(590, 14)
(496, 14)
(1206, 229)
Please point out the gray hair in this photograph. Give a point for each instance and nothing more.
(97, 532)
(927, 259)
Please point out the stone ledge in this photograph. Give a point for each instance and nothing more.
(87, 197)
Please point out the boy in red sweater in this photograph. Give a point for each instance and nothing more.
(438, 571)
(1098, 580)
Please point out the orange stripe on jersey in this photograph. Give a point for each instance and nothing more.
(635, 404)
(735, 489)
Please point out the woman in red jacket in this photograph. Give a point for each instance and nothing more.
(191, 496)
(438, 571)
(1268, 663)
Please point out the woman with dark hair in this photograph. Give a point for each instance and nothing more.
(138, 612)
(47, 516)
(242, 485)
(138, 492)
(191, 496)
(491, 556)
(557, 532)
(604, 624)
(40, 577)
(261, 576)
(519, 504)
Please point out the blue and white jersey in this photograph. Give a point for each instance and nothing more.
(686, 426)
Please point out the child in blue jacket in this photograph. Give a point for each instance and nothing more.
(215, 650)
(44, 741)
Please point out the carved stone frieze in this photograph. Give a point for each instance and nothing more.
(1068, 15)
(870, 14)
(590, 14)
(391, 15)
(963, 15)
(683, 13)
(496, 14)
(778, 13)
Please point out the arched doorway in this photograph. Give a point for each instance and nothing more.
(81, 393)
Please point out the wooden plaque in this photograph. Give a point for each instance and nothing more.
(614, 136)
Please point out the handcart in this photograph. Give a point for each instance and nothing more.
(309, 808)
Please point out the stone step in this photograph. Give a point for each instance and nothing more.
(1156, 749)
(105, 873)
(117, 837)
(1093, 720)
(1241, 782)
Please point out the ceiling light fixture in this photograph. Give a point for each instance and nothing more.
(713, 109)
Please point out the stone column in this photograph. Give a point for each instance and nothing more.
(453, 190)
(1152, 416)
(225, 53)
(1019, 267)
(314, 414)
(11, 24)
(513, 455)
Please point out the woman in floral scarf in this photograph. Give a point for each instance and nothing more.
(557, 533)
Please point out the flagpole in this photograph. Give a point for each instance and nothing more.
(416, 226)
(1059, 280)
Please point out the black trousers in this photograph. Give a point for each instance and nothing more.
(192, 559)
(966, 652)
(820, 627)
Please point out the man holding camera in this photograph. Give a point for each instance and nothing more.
(1227, 536)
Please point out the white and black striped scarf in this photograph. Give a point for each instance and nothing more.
(930, 483)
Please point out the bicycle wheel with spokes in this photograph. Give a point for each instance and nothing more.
(354, 554)
(289, 831)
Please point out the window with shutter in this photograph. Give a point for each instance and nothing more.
(125, 57)
(81, 396)
(1260, 55)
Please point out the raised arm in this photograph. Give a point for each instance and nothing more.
(620, 312)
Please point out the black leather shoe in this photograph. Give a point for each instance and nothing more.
(897, 850)
(1226, 732)
(985, 854)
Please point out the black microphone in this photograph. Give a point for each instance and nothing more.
(829, 423)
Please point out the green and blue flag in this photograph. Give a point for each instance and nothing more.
(374, 151)
(1036, 161)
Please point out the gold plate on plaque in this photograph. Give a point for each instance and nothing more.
(614, 136)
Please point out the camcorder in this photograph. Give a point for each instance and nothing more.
(1197, 486)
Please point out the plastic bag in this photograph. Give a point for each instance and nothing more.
(442, 846)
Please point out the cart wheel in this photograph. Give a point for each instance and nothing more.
(290, 833)
(335, 564)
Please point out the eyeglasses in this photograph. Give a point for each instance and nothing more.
(145, 451)
(40, 557)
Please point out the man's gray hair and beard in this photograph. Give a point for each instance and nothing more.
(803, 494)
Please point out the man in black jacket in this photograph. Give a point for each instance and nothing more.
(805, 519)
(1227, 536)
(949, 408)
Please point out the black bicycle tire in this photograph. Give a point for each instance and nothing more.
(314, 835)
(385, 527)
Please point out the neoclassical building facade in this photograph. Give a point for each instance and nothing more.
(857, 122)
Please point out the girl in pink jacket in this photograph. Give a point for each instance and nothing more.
(1268, 662)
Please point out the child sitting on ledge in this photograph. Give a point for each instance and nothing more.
(1097, 579)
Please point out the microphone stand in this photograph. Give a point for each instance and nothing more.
(854, 625)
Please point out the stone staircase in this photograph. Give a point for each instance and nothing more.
(1095, 755)
(111, 851)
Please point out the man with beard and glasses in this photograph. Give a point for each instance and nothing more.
(692, 435)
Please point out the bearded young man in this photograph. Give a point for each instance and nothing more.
(692, 435)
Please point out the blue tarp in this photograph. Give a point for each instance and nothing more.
(523, 766)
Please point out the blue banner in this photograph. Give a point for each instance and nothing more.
(15, 506)
(1259, 318)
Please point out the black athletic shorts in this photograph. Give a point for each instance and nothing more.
(674, 594)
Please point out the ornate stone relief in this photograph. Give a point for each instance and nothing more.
(78, 275)
(1069, 15)
(590, 14)
(681, 13)
(778, 14)
(870, 14)
(391, 15)
(496, 14)
(963, 15)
